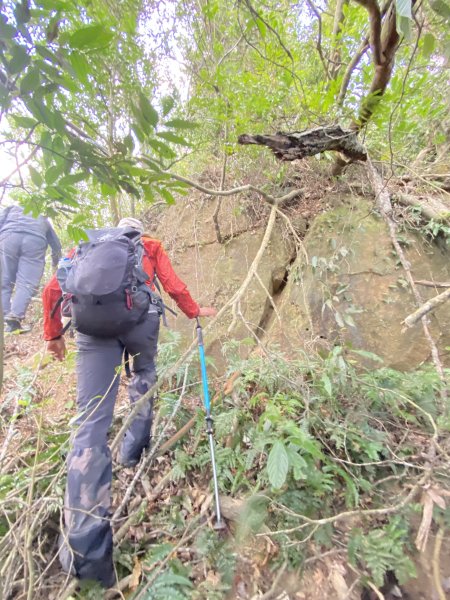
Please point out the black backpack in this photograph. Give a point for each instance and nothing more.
(105, 284)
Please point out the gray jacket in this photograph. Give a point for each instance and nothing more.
(13, 220)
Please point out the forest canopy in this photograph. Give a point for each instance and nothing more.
(101, 103)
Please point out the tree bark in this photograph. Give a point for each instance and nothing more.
(296, 145)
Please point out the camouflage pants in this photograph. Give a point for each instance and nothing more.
(86, 543)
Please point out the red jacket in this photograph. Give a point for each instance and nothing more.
(155, 261)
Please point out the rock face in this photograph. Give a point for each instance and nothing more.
(344, 287)
(213, 272)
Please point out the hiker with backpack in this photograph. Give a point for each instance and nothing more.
(23, 244)
(108, 285)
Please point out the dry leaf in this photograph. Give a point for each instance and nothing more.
(339, 584)
(425, 524)
(136, 574)
(436, 497)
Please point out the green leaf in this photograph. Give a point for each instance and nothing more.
(277, 465)
(297, 462)
(35, 176)
(80, 65)
(327, 384)
(40, 111)
(181, 124)
(92, 36)
(172, 137)
(167, 103)
(149, 113)
(129, 142)
(167, 196)
(52, 174)
(366, 354)
(349, 320)
(30, 81)
(338, 319)
(441, 8)
(428, 45)
(7, 31)
(77, 234)
(161, 148)
(261, 27)
(19, 60)
(53, 4)
(22, 12)
(25, 122)
(107, 190)
(138, 130)
(404, 26)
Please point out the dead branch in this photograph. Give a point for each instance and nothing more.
(253, 267)
(297, 145)
(430, 207)
(436, 564)
(387, 510)
(145, 462)
(383, 201)
(433, 284)
(426, 308)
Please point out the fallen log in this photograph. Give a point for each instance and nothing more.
(300, 144)
(430, 207)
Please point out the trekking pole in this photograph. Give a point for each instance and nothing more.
(209, 422)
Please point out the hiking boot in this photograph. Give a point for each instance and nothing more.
(12, 325)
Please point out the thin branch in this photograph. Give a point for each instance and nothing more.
(19, 166)
(256, 16)
(350, 68)
(315, 10)
(375, 29)
(433, 284)
(427, 307)
(239, 190)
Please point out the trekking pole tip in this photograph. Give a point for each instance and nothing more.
(219, 525)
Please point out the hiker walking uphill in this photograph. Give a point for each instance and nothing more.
(108, 286)
(23, 244)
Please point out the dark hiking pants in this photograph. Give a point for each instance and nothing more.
(22, 264)
(86, 547)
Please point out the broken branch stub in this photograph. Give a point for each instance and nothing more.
(300, 144)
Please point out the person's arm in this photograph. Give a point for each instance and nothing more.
(55, 245)
(173, 285)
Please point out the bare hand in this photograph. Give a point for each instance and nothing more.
(57, 348)
(207, 311)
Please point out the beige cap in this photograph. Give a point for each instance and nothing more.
(132, 222)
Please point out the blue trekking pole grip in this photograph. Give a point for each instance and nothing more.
(209, 421)
(201, 350)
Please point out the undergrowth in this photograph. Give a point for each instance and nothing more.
(316, 456)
